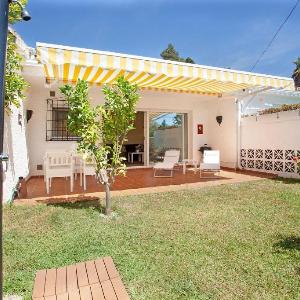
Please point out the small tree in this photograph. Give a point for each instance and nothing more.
(177, 120)
(103, 129)
(189, 60)
(296, 73)
(170, 53)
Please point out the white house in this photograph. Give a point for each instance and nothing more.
(178, 108)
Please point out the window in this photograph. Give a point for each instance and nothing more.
(56, 124)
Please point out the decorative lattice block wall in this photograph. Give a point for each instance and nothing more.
(276, 161)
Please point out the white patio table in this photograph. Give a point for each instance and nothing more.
(139, 154)
(189, 162)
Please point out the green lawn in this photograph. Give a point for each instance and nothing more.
(238, 241)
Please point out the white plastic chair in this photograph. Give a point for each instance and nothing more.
(58, 164)
(88, 168)
(77, 166)
(171, 158)
(211, 162)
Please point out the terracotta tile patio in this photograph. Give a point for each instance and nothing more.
(137, 181)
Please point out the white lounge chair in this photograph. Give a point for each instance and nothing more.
(211, 162)
(171, 158)
(58, 164)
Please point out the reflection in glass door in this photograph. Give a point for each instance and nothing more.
(166, 131)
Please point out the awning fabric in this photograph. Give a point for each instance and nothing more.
(69, 64)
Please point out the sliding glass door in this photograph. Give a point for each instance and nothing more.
(167, 130)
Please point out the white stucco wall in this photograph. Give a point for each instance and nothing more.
(16, 147)
(271, 132)
(223, 137)
(196, 106)
(201, 109)
(277, 131)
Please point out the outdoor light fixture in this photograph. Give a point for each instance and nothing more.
(219, 119)
(24, 13)
(20, 119)
(29, 114)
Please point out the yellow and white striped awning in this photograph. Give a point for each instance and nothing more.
(69, 64)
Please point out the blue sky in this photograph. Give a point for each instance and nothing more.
(222, 33)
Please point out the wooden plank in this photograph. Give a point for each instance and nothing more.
(63, 296)
(110, 267)
(85, 293)
(81, 282)
(101, 270)
(74, 295)
(81, 274)
(108, 290)
(119, 289)
(39, 284)
(50, 282)
(71, 278)
(53, 297)
(91, 272)
(61, 281)
(97, 292)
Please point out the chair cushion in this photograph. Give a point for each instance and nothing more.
(164, 166)
(207, 166)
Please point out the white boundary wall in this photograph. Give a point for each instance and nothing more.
(15, 146)
(268, 143)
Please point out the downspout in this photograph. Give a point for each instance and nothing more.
(19, 190)
(238, 133)
(13, 195)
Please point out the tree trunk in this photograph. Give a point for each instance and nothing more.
(297, 82)
(107, 199)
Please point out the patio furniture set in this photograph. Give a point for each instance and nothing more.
(69, 164)
(210, 164)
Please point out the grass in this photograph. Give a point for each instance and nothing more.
(238, 241)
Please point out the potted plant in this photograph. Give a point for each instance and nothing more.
(296, 74)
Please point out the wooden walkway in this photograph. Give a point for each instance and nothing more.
(91, 280)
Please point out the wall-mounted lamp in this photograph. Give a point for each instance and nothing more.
(20, 119)
(29, 114)
(219, 119)
(24, 13)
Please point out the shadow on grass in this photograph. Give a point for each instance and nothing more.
(288, 243)
(92, 204)
(287, 180)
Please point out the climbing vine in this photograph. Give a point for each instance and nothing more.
(15, 84)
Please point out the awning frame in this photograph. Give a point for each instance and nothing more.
(68, 64)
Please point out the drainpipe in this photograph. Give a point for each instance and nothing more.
(20, 190)
(13, 195)
(238, 133)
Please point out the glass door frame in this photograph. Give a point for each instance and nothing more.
(184, 132)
